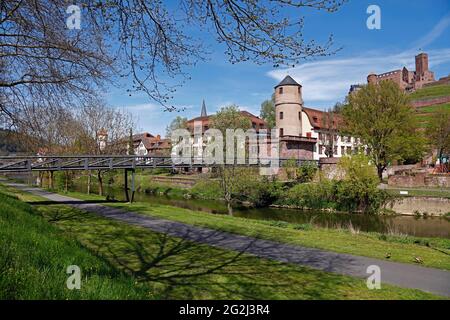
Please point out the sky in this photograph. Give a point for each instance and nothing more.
(408, 27)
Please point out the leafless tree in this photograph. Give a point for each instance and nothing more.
(145, 41)
(104, 131)
(47, 129)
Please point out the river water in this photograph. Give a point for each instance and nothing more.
(411, 225)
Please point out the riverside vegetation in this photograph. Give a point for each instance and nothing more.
(305, 188)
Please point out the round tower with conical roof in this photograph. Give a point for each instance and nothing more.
(288, 107)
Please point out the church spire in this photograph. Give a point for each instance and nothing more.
(203, 114)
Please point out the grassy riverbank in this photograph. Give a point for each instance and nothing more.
(122, 261)
(434, 252)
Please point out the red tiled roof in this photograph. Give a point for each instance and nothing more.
(316, 117)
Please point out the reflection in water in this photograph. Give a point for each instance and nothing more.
(421, 227)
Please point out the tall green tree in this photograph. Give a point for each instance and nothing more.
(438, 132)
(178, 123)
(230, 176)
(382, 117)
(330, 133)
(267, 112)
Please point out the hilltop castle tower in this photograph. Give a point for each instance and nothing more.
(406, 80)
(288, 107)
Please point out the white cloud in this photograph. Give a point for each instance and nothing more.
(435, 33)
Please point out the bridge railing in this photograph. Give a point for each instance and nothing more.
(110, 162)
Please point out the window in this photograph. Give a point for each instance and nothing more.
(299, 115)
(281, 132)
(342, 150)
(280, 90)
(335, 150)
(320, 149)
(281, 115)
(298, 89)
(254, 125)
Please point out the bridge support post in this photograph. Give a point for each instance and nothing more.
(133, 186)
(51, 185)
(127, 197)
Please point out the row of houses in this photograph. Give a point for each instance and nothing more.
(304, 133)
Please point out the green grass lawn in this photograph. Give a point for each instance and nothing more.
(423, 115)
(34, 256)
(434, 108)
(421, 192)
(431, 92)
(117, 260)
(435, 252)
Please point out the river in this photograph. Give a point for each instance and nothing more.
(399, 224)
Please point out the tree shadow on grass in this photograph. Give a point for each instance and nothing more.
(177, 268)
(181, 269)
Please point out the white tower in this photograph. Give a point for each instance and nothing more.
(288, 107)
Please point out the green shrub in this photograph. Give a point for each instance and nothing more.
(206, 189)
(358, 190)
(306, 171)
(310, 195)
(303, 226)
(260, 192)
(64, 180)
(290, 167)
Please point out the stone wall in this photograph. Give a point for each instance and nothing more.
(296, 150)
(420, 180)
(429, 205)
(329, 168)
(430, 102)
(443, 80)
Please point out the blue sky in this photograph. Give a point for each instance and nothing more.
(407, 26)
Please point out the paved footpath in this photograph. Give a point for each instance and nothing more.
(404, 275)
